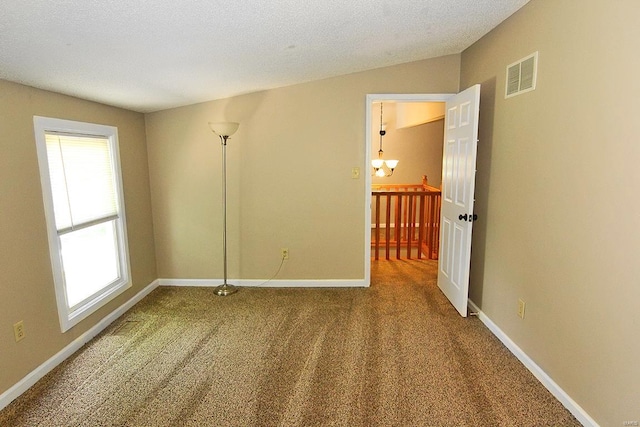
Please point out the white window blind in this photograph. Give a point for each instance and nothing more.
(82, 180)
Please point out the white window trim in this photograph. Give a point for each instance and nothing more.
(69, 317)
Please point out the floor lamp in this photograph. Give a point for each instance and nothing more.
(224, 131)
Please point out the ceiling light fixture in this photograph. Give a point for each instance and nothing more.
(379, 163)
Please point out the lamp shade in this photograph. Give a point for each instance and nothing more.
(224, 128)
(391, 164)
(377, 163)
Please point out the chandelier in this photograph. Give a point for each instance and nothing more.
(380, 164)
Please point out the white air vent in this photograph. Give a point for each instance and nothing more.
(521, 76)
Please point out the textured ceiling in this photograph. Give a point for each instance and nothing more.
(148, 55)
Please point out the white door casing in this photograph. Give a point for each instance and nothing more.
(458, 185)
(366, 165)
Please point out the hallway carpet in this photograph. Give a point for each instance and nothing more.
(395, 354)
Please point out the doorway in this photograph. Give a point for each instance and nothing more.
(373, 101)
(460, 145)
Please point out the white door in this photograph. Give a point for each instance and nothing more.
(458, 185)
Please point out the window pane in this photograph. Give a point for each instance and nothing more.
(82, 179)
(58, 184)
(89, 260)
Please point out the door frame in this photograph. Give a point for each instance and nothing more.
(366, 169)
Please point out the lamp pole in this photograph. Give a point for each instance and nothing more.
(224, 130)
(224, 290)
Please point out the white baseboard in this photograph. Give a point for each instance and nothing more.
(337, 283)
(23, 385)
(545, 379)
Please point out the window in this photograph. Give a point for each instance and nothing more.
(84, 208)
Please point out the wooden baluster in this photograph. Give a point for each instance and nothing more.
(388, 229)
(421, 216)
(428, 231)
(435, 229)
(405, 221)
(436, 234)
(410, 223)
(377, 231)
(398, 224)
(435, 218)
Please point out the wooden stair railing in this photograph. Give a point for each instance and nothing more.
(411, 220)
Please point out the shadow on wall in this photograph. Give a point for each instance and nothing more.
(242, 108)
(483, 183)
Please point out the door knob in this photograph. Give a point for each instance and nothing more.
(468, 217)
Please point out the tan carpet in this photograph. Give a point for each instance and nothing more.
(396, 354)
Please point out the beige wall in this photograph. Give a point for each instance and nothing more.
(557, 188)
(289, 176)
(27, 291)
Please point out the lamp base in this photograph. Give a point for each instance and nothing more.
(224, 290)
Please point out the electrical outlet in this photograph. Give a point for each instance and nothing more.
(521, 308)
(285, 253)
(18, 330)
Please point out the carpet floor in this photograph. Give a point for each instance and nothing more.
(394, 354)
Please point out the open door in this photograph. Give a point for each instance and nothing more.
(458, 185)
